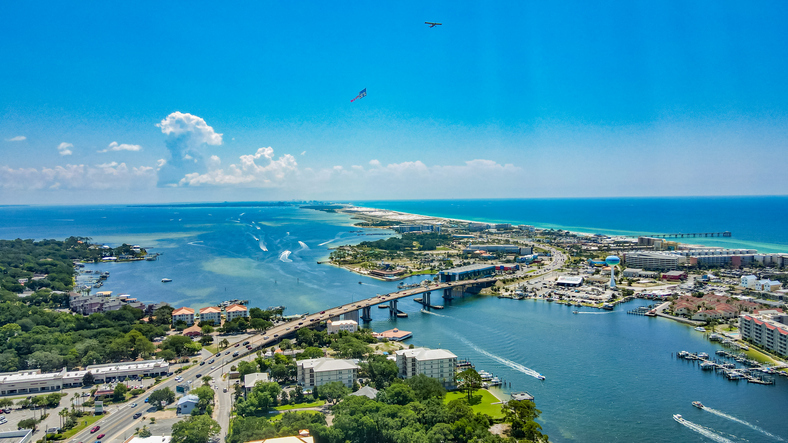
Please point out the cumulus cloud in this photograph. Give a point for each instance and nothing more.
(254, 170)
(63, 148)
(114, 146)
(186, 135)
(18, 138)
(104, 176)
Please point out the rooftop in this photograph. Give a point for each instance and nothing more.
(251, 379)
(183, 311)
(208, 310)
(423, 354)
(469, 268)
(236, 307)
(327, 364)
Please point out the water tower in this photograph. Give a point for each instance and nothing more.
(612, 261)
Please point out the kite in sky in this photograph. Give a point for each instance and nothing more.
(361, 94)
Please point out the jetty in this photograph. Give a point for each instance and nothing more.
(694, 234)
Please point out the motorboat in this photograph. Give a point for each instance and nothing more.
(700, 329)
(697, 404)
(678, 418)
(166, 280)
(540, 376)
(574, 312)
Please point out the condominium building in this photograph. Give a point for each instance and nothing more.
(653, 260)
(439, 364)
(332, 327)
(184, 314)
(235, 311)
(766, 329)
(748, 281)
(319, 371)
(210, 314)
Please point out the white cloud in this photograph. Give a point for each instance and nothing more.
(303, 152)
(105, 176)
(114, 146)
(63, 148)
(179, 123)
(375, 163)
(269, 173)
(18, 138)
(160, 162)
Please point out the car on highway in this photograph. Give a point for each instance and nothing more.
(94, 429)
(134, 405)
(137, 415)
(237, 344)
(146, 400)
(198, 376)
(235, 354)
(266, 337)
(322, 312)
(300, 323)
(210, 362)
(100, 436)
(276, 335)
(213, 367)
(227, 353)
(246, 342)
(287, 329)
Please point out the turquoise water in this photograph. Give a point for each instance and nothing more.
(756, 222)
(610, 376)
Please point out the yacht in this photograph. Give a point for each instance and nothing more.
(540, 376)
(678, 418)
(700, 329)
(166, 280)
(697, 404)
(703, 355)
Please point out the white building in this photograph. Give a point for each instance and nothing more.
(319, 371)
(439, 364)
(33, 380)
(211, 313)
(766, 330)
(332, 327)
(767, 285)
(251, 379)
(20, 436)
(185, 314)
(653, 260)
(235, 311)
(187, 403)
(748, 281)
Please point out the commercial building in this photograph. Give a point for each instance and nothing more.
(151, 439)
(654, 261)
(183, 314)
(187, 403)
(20, 436)
(393, 335)
(466, 272)
(302, 437)
(319, 371)
(765, 330)
(33, 380)
(209, 314)
(506, 249)
(439, 364)
(333, 327)
(674, 275)
(234, 311)
(571, 281)
(416, 228)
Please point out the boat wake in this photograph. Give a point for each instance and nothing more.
(326, 242)
(424, 311)
(594, 313)
(303, 245)
(514, 365)
(262, 246)
(704, 431)
(740, 421)
(195, 243)
(284, 257)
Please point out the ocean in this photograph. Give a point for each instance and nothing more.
(610, 376)
(755, 222)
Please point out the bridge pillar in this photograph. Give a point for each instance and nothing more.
(351, 315)
(366, 314)
(393, 308)
(447, 294)
(426, 299)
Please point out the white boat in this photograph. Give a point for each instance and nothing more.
(166, 280)
(700, 329)
(678, 418)
(540, 376)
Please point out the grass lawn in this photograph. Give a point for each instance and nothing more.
(212, 349)
(90, 419)
(273, 417)
(484, 407)
(314, 404)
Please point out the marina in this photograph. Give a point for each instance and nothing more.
(753, 373)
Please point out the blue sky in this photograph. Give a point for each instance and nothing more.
(513, 99)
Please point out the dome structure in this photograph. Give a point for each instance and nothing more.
(612, 260)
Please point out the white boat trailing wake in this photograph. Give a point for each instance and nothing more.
(261, 243)
(303, 245)
(284, 257)
(594, 313)
(702, 430)
(424, 311)
(740, 421)
(326, 242)
(516, 366)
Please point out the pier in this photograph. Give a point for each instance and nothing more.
(695, 234)
(729, 370)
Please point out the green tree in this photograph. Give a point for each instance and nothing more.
(161, 395)
(397, 394)
(310, 352)
(119, 394)
(522, 415)
(380, 370)
(469, 382)
(333, 392)
(88, 379)
(195, 429)
(426, 387)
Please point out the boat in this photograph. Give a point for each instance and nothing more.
(360, 283)
(703, 355)
(607, 307)
(166, 280)
(678, 418)
(574, 312)
(697, 404)
(540, 376)
(700, 329)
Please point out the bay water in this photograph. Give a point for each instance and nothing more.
(609, 376)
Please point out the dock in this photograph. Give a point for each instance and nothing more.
(729, 370)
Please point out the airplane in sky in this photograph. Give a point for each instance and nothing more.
(432, 24)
